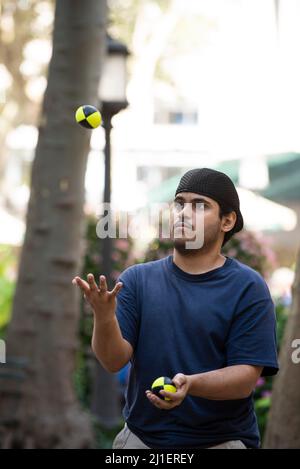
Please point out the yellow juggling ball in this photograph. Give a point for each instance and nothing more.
(163, 384)
(88, 116)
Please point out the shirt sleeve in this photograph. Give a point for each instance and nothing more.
(252, 336)
(127, 309)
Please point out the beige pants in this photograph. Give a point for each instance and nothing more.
(125, 439)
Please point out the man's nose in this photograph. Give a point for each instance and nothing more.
(187, 211)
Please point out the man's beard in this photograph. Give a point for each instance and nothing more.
(182, 244)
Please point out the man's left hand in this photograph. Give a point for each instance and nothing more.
(182, 385)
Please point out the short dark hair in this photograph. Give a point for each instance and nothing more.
(225, 210)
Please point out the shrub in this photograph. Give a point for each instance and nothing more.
(8, 265)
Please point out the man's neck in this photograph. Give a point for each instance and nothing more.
(199, 262)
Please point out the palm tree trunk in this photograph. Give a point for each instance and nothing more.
(38, 407)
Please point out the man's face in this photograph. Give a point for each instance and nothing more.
(196, 212)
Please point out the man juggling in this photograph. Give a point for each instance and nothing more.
(198, 324)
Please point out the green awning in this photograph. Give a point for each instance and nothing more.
(284, 173)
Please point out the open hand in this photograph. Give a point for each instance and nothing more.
(102, 301)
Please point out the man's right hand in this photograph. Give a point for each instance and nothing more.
(102, 301)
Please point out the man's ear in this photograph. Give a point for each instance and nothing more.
(229, 221)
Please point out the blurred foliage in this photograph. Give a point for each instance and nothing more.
(8, 261)
(247, 247)
(262, 406)
(25, 36)
(254, 250)
(282, 312)
(126, 15)
(104, 437)
(122, 258)
(122, 18)
(263, 391)
(139, 23)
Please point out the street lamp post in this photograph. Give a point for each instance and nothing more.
(112, 94)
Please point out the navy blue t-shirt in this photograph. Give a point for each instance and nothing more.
(192, 323)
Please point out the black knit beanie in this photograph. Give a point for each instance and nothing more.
(217, 186)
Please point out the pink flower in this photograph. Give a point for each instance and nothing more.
(266, 394)
(260, 382)
(116, 256)
(122, 244)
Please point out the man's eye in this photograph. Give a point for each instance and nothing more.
(199, 206)
(178, 206)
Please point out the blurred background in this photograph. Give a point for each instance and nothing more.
(180, 85)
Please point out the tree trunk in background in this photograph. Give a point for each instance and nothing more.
(283, 429)
(38, 407)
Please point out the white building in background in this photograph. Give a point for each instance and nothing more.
(227, 100)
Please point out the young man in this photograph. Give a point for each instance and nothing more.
(203, 319)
